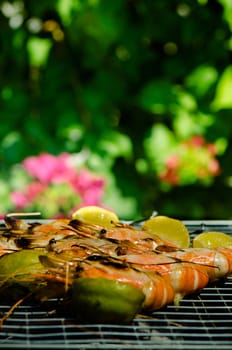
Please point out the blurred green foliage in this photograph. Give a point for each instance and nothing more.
(124, 82)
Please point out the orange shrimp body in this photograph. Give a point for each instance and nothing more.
(19, 234)
(185, 277)
(24, 235)
(139, 237)
(67, 266)
(122, 232)
(228, 253)
(216, 262)
(83, 247)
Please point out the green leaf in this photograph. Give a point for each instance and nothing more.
(221, 145)
(223, 98)
(156, 96)
(38, 50)
(227, 4)
(201, 79)
(65, 9)
(186, 100)
(187, 123)
(116, 144)
(159, 144)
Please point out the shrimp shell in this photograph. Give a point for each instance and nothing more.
(185, 277)
(157, 290)
(216, 262)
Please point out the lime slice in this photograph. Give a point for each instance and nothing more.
(22, 262)
(212, 239)
(168, 229)
(96, 215)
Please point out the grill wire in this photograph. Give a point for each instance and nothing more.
(201, 321)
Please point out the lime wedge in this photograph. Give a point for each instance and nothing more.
(168, 229)
(106, 301)
(212, 239)
(96, 215)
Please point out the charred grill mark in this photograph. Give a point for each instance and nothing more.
(116, 264)
(78, 246)
(22, 242)
(85, 246)
(35, 224)
(76, 227)
(108, 261)
(79, 269)
(113, 240)
(7, 234)
(166, 249)
(31, 227)
(75, 223)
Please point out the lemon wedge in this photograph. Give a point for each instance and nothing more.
(212, 239)
(168, 229)
(96, 215)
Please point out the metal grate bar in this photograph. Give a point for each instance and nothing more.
(202, 321)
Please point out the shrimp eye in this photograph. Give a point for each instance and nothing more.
(121, 251)
(52, 241)
(102, 232)
(95, 258)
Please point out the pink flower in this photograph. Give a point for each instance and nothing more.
(31, 192)
(94, 193)
(48, 168)
(86, 181)
(19, 199)
(214, 167)
(56, 185)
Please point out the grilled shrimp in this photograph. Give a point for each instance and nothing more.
(19, 234)
(185, 277)
(228, 253)
(124, 232)
(157, 290)
(83, 248)
(216, 262)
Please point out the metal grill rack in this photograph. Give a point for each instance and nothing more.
(202, 321)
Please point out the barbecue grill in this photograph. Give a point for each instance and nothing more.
(201, 321)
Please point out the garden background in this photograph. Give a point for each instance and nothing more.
(138, 92)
